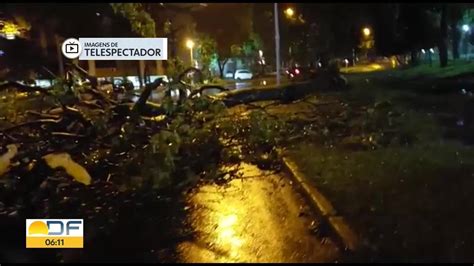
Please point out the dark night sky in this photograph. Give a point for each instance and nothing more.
(228, 23)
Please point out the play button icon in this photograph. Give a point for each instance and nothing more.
(71, 48)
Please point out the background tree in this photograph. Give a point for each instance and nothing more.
(328, 30)
(455, 14)
(174, 21)
(417, 27)
(468, 37)
(140, 20)
(443, 39)
(94, 20)
(387, 34)
(206, 51)
(235, 25)
(249, 49)
(265, 28)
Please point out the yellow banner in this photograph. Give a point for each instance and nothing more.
(55, 242)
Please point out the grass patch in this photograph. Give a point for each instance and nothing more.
(454, 68)
(425, 95)
(412, 204)
(419, 79)
(411, 201)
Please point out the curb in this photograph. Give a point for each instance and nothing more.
(322, 205)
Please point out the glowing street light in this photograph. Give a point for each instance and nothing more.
(366, 32)
(289, 12)
(465, 28)
(190, 45)
(10, 30)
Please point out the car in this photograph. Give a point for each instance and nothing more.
(300, 73)
(229, 75)
(121, 85)
(242, 74)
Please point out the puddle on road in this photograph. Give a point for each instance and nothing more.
(253, 219)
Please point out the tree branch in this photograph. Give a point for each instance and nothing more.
(205, 87)
(23, 88)
(141, 103)
(30, 123)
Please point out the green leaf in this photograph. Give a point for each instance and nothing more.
(140, 21)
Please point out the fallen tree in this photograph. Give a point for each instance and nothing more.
(324, 81)
(86, 154)
(22, 87)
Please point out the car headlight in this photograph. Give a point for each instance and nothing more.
(174, 94)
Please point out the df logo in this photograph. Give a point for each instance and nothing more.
(71, 48)
(54, 227)
(54, 233)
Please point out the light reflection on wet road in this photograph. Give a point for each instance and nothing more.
(256, 82)
(258, 218)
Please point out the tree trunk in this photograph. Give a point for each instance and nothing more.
(159, 68)
(285, 93)
(443, 42)
(91, 67)
(400, 60)
(456, 38)
(221, 66)
(43, 41)
(414, 57)
(59, 55)
(141, 73)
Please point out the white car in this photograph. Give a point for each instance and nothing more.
(242, 74)
(229, 75)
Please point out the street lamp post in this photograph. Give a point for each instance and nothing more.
(353, 57)
(261, 61)
(366, 40)
(290, 13)
(190, 45)
(277, 44)
(465, 29)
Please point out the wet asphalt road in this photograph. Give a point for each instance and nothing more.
(255, 82)
(257, 218)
